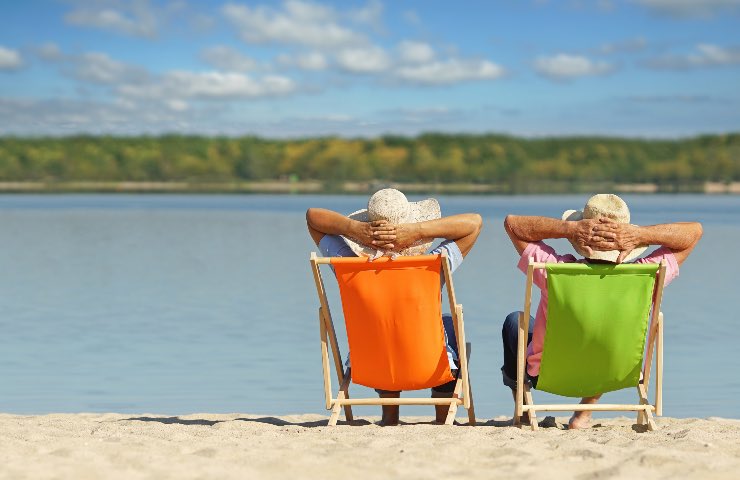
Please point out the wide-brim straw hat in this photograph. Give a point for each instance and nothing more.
(610, 206)
(392, 205)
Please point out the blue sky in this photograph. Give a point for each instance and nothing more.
(646, 68)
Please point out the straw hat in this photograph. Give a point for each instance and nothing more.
(391, 205)
(610, 206)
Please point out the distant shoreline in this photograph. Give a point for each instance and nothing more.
(316, 187)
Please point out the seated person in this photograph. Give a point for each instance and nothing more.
(601, 233)
(392, 225)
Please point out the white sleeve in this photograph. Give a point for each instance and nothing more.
(454, 255)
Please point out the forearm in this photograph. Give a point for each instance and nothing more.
(533, 229)
(463, 229)
(680, 238)
(676, 236)
(329, 222)
(451, 228)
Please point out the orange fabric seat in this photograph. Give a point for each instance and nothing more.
(393, 316)
(393, 313)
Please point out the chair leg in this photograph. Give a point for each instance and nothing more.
(471, 410)
(530, 402)
(452, 412)
(343, 394)
(336, 409)
(647, 415)
(640, 413)
(650, 421)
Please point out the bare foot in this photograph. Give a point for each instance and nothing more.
(579, 420)
(582, 419)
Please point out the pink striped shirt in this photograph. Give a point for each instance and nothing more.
(541, 252)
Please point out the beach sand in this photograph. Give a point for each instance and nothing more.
(82, 446)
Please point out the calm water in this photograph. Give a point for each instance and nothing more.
(181, 304)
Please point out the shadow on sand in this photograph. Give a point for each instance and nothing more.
(548, 422)
(172, 420)
(278, 422)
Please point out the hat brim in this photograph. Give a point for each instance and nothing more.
(607, 255)
(420, 211)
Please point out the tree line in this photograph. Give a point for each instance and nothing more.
(428, 158)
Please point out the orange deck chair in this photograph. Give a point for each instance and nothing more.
(393, 315)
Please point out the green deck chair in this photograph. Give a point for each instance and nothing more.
(598, 316)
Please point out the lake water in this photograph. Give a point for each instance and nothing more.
(182, 304)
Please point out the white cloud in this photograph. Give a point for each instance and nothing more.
(297, 23)
(10, 59)
(364, 59)
(676, 98)
(210, 85)
(415, 52)
(626, 46)
(689, 8)
(135, 18)
(332, 117)
(171, 89)
(65, 116)
(705, 55)
(177, 105)
(99, 68)
(450, 71)
(421, 114)
(227, 58)
(306, 61)
(371, 14)
(709, 54)
(566, 67)
(49, 51)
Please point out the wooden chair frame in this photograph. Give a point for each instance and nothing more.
(645, 411)
(462, 393)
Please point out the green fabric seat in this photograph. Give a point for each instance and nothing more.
(597, 318)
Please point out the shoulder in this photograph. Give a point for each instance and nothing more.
(657, 256)
(454, 255)
(335, 246)
(544, 253)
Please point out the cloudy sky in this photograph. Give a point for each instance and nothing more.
(649, 68)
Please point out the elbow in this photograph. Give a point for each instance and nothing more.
(471, 224)
(310, 213)
(476, 221)
(507, 223)
(698, 231)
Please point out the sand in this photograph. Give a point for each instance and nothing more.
(82, 446)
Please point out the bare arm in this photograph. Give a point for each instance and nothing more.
(679, 237)
(524, 230)
(321, 221)
(463, 229)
